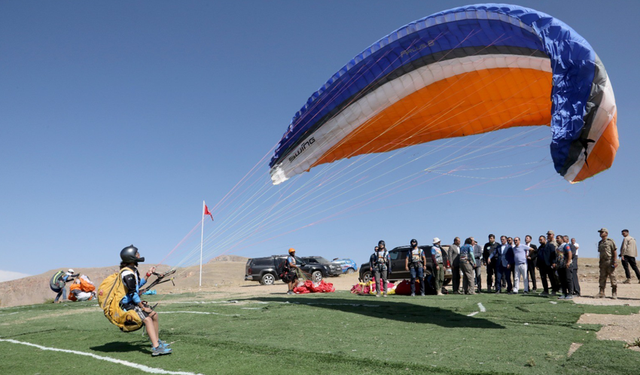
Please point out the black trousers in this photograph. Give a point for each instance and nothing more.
(566, 280)
(478, 273)
(531, 269)
(491, 273)
(455, 276)
(576, 282)
(630, 261)
(548, 272)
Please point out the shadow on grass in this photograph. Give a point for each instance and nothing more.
(122, 347)
(394, 310)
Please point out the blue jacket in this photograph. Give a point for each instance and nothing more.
(505, 257)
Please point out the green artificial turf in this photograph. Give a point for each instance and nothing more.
(323, 333)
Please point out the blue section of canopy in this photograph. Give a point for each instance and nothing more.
(572, 63)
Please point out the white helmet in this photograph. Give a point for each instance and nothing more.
(70, 270)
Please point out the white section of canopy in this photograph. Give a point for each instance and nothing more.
(359, 112)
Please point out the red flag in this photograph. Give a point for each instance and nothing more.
(207, 212)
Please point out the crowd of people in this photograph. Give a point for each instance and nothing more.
(510, 264)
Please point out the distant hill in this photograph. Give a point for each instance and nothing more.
(221, 271)
(10, 275)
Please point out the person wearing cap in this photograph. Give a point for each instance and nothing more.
(130, 257)
(416, 263)
(489, 262)
(62, 282)
(438, 265)
(628, 254)
(380, 264)
(607, 249)
(454, 257)
(291, 270)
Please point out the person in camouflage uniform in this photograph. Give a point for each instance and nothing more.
(607, 249)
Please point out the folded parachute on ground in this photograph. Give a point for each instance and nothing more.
(460, 72)
(82, 289)
(309, 287)
(369, 288)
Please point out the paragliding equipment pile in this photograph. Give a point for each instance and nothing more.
(309, 286)
(82, 289)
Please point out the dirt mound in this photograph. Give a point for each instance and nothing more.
(218, 274)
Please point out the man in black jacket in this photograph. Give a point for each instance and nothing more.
(531, 260)
(546, 258)
(488, 249)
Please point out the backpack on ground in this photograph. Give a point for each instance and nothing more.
(110, 293)
(56, 283)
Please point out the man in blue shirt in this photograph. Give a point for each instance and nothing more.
(520, 253)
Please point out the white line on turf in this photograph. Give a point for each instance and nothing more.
(150, 370)
(473, 313)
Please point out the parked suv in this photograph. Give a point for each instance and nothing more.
(398, 256)
(266, 269)
(335, 269)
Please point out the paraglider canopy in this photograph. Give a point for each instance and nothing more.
(463, 71)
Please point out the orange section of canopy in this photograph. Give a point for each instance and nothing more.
(603, 152)
(466, 104)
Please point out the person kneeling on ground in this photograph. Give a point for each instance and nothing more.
(131, 301)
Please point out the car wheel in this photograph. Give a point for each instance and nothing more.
(350, 271)
(366, 277)
(267, 279)
(316, 276)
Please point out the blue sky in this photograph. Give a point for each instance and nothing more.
(117, 119)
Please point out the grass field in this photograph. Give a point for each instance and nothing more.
(329, 333)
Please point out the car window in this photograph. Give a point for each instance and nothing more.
(397, 254)
(262, 261)
(321, 260)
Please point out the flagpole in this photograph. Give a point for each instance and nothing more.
(201, 240)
